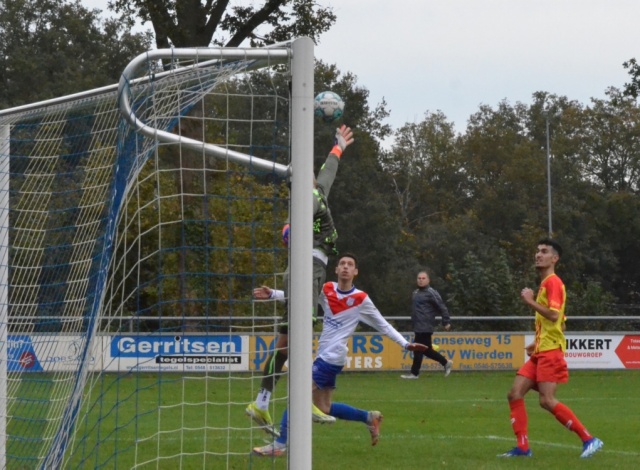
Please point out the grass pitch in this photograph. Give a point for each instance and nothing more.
(459, 422)
(462, 422)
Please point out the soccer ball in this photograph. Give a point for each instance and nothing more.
(328, 106)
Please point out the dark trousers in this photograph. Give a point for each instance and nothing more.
(425, 338)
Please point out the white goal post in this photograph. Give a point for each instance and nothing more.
(90, 238)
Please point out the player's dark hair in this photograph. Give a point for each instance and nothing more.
(349, 255)
(553, 244)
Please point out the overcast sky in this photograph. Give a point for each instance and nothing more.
(453, 55)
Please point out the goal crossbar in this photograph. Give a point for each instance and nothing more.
(251, 58)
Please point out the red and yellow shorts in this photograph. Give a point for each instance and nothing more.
(547, 366)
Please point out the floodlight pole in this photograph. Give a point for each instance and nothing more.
(549, 176)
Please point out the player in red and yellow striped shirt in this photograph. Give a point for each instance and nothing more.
(546, 367)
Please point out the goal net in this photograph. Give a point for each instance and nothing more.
(135, 220)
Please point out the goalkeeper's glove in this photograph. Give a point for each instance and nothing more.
(416, 347)
(344, 138)
(285, 235)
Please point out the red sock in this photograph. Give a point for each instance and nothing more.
(519, 422)
(570, 421)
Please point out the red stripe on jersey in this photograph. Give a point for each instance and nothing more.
(338, 305)
(555, 293)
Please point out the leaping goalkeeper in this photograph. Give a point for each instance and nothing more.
(324, 244)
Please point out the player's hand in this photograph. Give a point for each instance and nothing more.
(262, 293)
(529, 349)
(344, 137)
(416, 347)
(447, 327)
(285, 234)
(527, 295)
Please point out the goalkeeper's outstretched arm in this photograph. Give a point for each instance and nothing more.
(327, 174)
(266, 293)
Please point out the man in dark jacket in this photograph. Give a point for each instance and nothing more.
(427, 303)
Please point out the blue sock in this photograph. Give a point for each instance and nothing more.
(348, 413)
(284, 431)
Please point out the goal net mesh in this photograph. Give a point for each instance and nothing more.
(128, 265)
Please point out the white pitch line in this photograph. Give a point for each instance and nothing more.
(480, 401)
(576, 447)
(541, 443)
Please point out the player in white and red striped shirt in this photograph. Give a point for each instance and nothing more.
(344, 307)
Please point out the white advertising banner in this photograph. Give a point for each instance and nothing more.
(222, 353)
(601, 351)
(49, 352)
(190, 353)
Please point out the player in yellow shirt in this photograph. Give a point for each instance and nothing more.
(546, 366)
